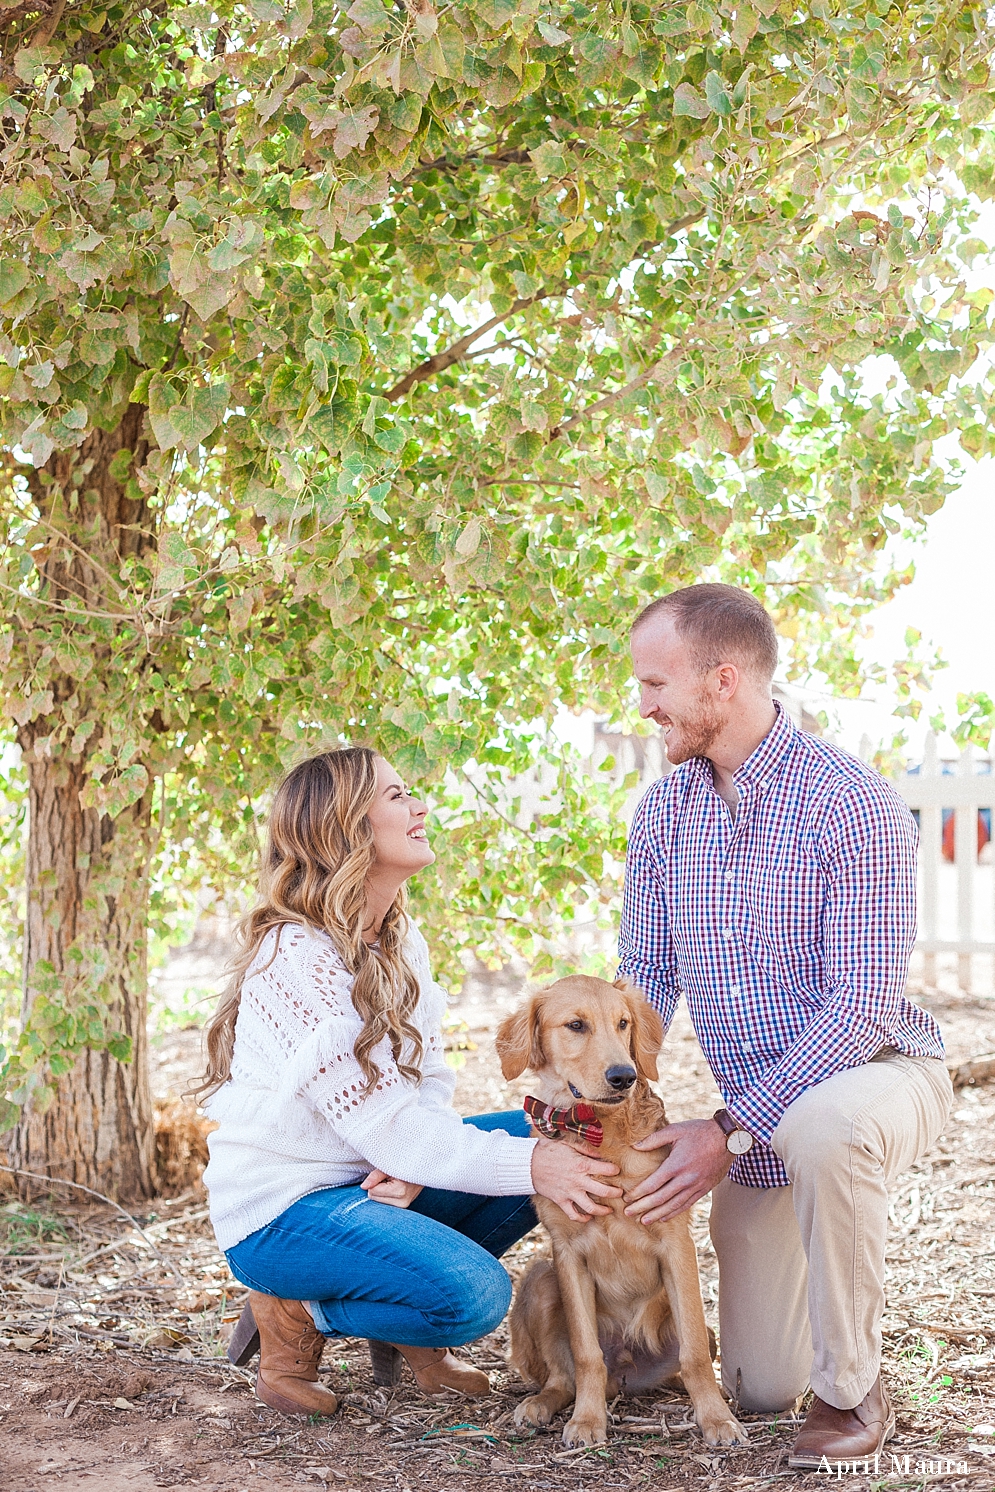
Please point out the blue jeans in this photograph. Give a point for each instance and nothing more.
(426, 1275)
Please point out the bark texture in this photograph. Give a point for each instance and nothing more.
(87, 874)
(88, 887)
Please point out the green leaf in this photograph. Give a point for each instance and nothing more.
(226, 255)
(550, 159)
(405, 113)
(59, 128)
(718, 99)
(345, 349)
(469, 540)
(447, 50)
(744, 27)
(673, 23)
(354, 129)
(175, 559)
(140, 390)
(551, 35)
(185, 422)
(120, 466)
(76, 418)
(370, 16)
(688, 101)
(13, 277)
(121, 1047)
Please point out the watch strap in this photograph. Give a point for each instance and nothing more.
(738, 1140)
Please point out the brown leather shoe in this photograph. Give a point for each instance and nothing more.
(844, 1434)
(290, 1348)
(436, 1369)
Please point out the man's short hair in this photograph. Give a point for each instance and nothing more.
(719, 624)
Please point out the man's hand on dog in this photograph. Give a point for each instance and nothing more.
(566, 1175)
(697, 1161)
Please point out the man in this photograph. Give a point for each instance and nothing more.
(772, 879)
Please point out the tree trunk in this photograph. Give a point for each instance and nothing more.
(87, 873)
(88, 890)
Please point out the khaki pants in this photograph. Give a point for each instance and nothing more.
(801, 1267)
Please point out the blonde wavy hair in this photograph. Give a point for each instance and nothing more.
(319, 854)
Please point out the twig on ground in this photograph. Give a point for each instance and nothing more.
(79, 1187)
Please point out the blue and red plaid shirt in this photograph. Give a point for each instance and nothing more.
(788, 930)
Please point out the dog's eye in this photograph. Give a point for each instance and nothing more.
(575, 1025)
(623, 1025)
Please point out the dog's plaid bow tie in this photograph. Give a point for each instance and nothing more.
(579, 1119)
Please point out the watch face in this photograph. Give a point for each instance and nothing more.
(739, 1142)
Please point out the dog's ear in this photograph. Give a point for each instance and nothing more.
(519, 1039)
(647, 1031)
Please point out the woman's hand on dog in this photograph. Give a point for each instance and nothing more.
(698, 1160)
(566, 1174)
(384, 1188)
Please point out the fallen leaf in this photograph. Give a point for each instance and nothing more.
(165, 1336)
(122, 1404)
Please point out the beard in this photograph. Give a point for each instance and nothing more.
(692, 733)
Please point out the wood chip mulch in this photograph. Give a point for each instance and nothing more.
(113, 1375)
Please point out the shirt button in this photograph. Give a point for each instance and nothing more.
(735, 990)
(727, 932)
(730, 876)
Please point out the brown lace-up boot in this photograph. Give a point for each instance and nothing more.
(435, 1369)
(290, 1348)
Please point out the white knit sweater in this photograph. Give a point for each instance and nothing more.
(292, 1119)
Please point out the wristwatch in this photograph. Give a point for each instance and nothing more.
(738, 1141)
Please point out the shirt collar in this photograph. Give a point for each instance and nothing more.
(770, 754)
(766, 760)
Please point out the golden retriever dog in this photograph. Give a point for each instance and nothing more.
(619, 1306)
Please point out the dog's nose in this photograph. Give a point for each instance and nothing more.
(620, 1078)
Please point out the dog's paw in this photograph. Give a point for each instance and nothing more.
(532, 1411)
(584, 1432)
(719, 1428)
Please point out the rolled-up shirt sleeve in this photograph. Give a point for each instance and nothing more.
(868, 856)
(645, 944)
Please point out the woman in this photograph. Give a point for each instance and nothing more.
(345, 1190)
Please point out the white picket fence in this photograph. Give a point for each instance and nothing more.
(956, 902)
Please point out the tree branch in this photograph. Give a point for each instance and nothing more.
(643, 378)
(47, 29)
(446, 163)
(687, 221)
(442, 360)
(439, 361)
(606, 399)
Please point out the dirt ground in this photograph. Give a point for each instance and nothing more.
(112, 1373)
